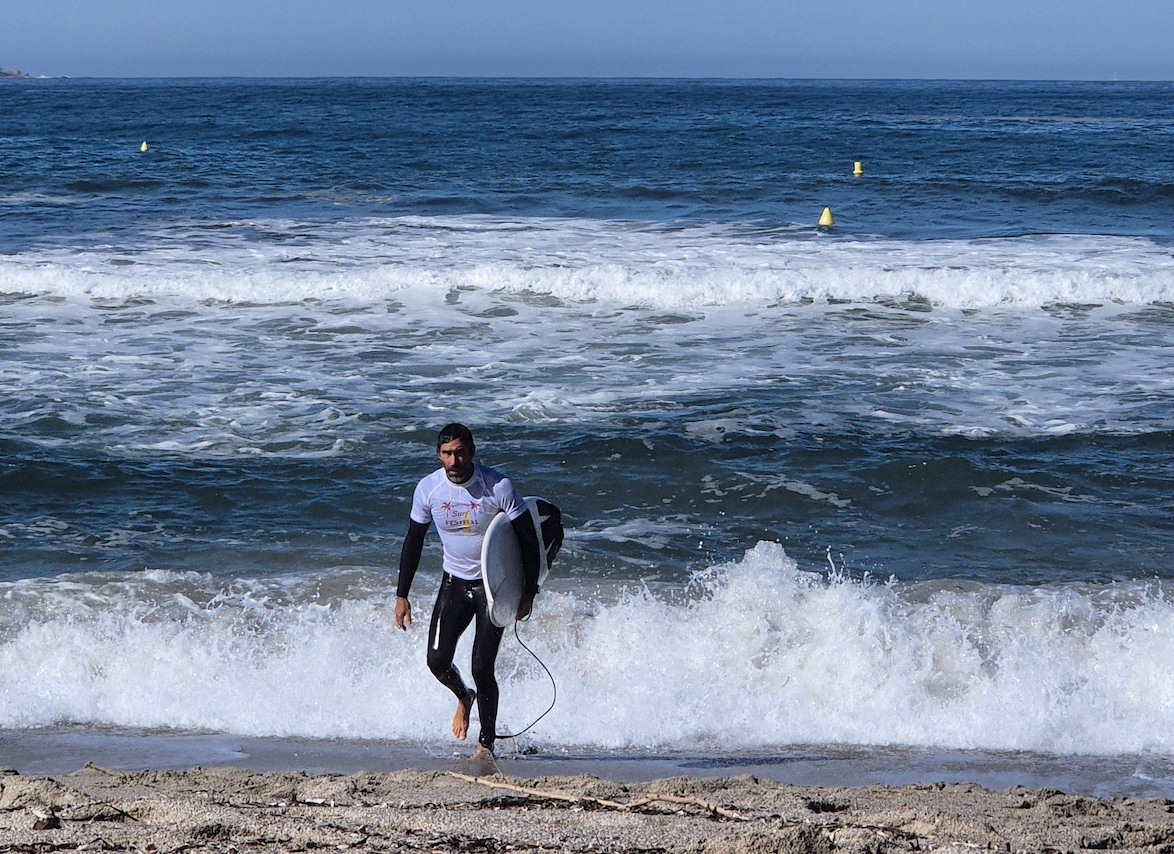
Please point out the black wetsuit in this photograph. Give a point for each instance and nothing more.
(458, 603)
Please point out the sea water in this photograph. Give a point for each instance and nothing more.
(901, 484)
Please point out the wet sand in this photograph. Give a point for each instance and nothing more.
(63, 750)
(236, 810)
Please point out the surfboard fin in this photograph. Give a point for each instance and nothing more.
(550, 520)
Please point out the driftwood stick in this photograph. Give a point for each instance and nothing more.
(90, 766)
(646, 799)
(714, 809)
(540, 793)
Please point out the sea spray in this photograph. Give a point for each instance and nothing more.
(754, 655)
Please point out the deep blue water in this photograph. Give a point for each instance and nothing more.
(942, 159)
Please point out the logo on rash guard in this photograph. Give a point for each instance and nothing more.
(460, 515)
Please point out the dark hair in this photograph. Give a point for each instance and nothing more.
(454, 431)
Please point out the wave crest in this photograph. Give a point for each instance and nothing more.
(618, 263)
(756, 654)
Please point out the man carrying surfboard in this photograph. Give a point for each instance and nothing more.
(463, 497)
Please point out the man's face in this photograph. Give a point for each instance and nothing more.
(457, 459)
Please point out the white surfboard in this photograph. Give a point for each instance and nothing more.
(501, 558)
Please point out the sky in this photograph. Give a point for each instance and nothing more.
(987, 39)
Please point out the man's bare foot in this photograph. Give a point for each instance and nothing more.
(482, 754)
(460, 721)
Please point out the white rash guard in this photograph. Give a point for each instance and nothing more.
(462, 513)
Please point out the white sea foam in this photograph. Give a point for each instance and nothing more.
(230, 342)
(756, 654)
(581, 261)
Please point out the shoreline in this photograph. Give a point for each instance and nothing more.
(65, 750)
(236, 810)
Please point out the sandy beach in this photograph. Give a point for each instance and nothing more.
(235, 810)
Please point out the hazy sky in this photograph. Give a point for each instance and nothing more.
(1062, 39)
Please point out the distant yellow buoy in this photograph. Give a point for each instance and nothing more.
(143, 148)
(826, 218)
(858, 169)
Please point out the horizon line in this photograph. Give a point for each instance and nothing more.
(4, 75)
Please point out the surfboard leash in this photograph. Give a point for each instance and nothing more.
(553, 685)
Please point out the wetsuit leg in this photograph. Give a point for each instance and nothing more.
(454, 610)
(486, 642)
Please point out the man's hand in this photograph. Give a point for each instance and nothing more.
(524, 607)
(403, 613)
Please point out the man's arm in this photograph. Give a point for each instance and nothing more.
(409, 562)
(531, 561)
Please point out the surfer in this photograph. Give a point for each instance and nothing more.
(462, 497)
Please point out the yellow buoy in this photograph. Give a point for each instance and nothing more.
(858, 169)
(143, 148)
(826, 217)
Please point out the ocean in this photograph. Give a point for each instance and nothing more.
(893, 493)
